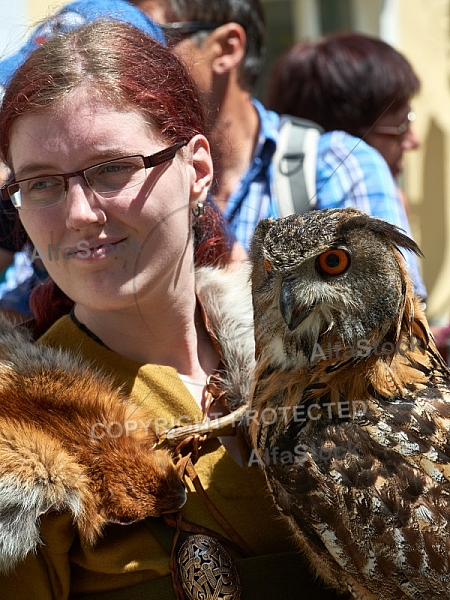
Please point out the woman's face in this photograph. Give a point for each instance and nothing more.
(392, 136)
(106, 253)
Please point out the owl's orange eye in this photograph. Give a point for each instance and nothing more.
(333, 262)
(267, 265)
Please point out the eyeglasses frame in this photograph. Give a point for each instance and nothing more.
(150, 161)
(190, 27)
(400, 130)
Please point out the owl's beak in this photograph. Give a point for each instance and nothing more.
(291, 308)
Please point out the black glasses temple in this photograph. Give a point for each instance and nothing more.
(187, 27)
(163, 155)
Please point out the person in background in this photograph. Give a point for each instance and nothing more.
(351, 82)
(359, 89)
(103, 131)
(222, 42)
(17, 273)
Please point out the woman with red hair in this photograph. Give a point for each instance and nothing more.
(103, 132)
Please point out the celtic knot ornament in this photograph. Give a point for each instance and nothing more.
(207, 571)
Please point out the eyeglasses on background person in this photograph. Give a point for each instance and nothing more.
(105, 179)
(392, 130)
(179, 30)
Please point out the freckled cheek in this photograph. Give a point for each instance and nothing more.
(41, 228)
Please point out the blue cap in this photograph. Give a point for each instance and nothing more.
(72, 16)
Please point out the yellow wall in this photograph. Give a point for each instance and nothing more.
(424, 38)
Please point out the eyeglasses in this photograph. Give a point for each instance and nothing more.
(178, 30)
(392, 130)
(106, 179)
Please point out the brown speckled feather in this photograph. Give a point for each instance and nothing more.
(351, 404)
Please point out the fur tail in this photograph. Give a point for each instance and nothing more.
(38, 474)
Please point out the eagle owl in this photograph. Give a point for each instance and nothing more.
(351, 404)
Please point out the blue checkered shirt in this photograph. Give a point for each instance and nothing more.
(349, 173)
(254, 198)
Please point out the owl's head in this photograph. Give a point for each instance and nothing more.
(326, 277)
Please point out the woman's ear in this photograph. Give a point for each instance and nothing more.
(202, 168)
(232, 40)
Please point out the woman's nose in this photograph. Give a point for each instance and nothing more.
(411, 140)
(82, 205)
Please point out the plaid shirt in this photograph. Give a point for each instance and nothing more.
(254, 199)
(349, 173)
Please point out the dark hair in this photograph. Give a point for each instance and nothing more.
(343, 81)
(247, 13)
(125, 68)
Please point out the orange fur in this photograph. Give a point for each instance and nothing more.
(54, 435)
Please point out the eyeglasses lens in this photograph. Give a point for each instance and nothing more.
(106, 179)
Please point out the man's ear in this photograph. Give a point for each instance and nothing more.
(232, 40)
(202, 173)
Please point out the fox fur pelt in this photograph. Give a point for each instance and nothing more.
(50, 455)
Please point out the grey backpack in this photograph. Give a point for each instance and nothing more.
(294, 165)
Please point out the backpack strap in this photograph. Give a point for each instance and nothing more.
(294, 165)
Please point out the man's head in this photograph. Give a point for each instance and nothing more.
(198, 19)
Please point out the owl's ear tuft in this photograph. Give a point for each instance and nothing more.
(391, 233)
(259, 236)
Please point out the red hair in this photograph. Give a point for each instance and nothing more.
(128, 70)
(121, 66)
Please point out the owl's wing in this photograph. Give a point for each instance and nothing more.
(370, 497)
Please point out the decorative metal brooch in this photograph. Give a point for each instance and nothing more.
(207, 571)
